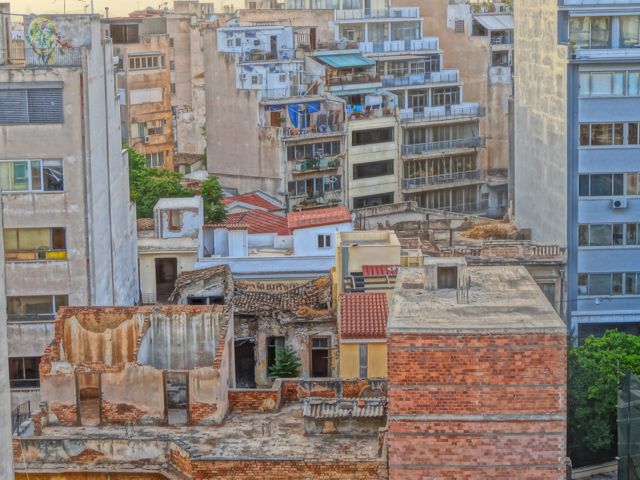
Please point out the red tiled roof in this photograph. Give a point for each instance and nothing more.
(254, 199)
(379, 270)
(146, 224)
(255, 221)
(318, 217)
(363, 315)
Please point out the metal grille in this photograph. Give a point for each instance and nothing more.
(31, 106)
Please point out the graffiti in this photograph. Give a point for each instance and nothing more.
(45, 40)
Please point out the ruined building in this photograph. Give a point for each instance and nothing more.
(69, 226)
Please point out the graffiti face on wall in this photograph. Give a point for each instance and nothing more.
(45, 40)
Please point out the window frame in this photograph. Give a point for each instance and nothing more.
(324, 241)
(30, 177)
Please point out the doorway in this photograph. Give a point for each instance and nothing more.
(88, 388)
(245, 363)
(166, 274)
(274, 45)
(312, 38)
(320, 357)
(177, 397)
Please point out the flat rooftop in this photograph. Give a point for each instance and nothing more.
(501, 299)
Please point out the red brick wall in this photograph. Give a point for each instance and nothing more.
(262, 400)
(120, 413)
(200, 411)
(67, 414)
(508, 383)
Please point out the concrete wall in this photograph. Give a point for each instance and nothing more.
(240, 153)
(306, 265)
(322, 20)
(305, 240)
(6, 455)
(186, 262)
(540, 123)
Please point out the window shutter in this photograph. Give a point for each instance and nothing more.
(45, 105)
(13, 107)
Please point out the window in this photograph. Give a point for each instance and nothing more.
(596, 235)
(172, 43)
(146, 62)
(172, 65)
(274, 345)
(377, 135)
(445, 96)
(459, 26)
(173, 89)
(364, 356)
(618, 83)
(599, 134)
(313, 150)
(324, 241)
(124, 33)
(155, 159)
(629, 31)
(35, 244)
(373, 200)
(31, 106)
(447, 277)
(319, 357)
(601, 185)
(315, 186)
(43, 307)
(608, 284)
(590, 32)
(372, 169)
(31, 176)
(175, 220)
(24, 372)
(500, 59)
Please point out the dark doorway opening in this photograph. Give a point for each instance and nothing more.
(320, 357)
(166, 274)
(177, 397)
(88, 387)
(312, 38)
(245, 363)
(274, 45)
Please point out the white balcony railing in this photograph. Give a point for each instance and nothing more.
(362, 14)
(434, 114)
(420, 182)
(429, 78)
(418, 148)
(406, 45)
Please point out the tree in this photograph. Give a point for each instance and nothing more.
(595, 370)
(287, 364)
(148, 185)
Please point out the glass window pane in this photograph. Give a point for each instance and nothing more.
(618, 83)
(600, 235)
(584, 133)
(600, 284)
(618, 184)
(601, 84)
(630, 284)
(600, 32)
(585, 88)
(633, 134)
(10, 239)
(58, 239)
(600, 185)
(27, 305)
(601, 134)
(583, 235)
(632, 234)
(34, 239)
(618, 234)
(582, 284)
(618, 134)
(36, 175)
(14, 176)
(584, 185)
(632, 184)
(579, 31)
(52, 178)
(629, 31)
(616, 284)
(634, 84)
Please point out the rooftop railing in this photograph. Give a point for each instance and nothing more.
(353, 78)
(419, 182)
(313, 130)
(360, 14)
(419, 148)
(429, 78)
(435, 114)
(25, 56)
(405, 45)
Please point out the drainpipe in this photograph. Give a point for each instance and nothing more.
(86, 176)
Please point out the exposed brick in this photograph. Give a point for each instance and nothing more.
(201, 411)
(120, 413)
(259, 400)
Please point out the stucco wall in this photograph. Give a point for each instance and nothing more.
(186, 262)
(305, 240)
(350, 360)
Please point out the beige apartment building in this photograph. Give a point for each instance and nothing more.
(68, 224)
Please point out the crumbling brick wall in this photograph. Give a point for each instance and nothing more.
(477, 406)
(255, 400)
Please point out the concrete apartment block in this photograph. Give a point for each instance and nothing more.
(477, 375)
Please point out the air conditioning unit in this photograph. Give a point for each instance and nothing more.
(619, 203)
(147, 139)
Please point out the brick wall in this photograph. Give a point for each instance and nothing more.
(67, 414)
(120, 413)
(477, 406)
(254, 400)
(201, 411)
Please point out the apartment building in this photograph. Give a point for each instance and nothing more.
(576, 115)
(145, 60)
(68, 224)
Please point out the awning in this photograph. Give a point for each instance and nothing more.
(346, 60)
(495, 22)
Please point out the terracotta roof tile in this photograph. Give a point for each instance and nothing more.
(257, 199)
(255, 221)
(363, 315)
(318, 217)
(379, 270)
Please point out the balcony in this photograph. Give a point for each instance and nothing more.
(420, 148)
(408, 45)
(429, 78)
(257, 55)
(343, 44)
(440, 114)
(18, 55)
(310, 165)
(367, 13)
(321, 130)
(34, 255)
(353, 79)
(283, 92)
(435, 180)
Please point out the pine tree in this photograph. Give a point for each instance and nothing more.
(287, 364)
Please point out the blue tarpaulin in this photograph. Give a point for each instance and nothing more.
(293, 114)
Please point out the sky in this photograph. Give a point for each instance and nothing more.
(116, 7)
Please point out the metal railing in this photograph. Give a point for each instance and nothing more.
(450, 112)
(418, 148)
(413, 183)
(348, 79)
(466, 207)
(337, 45)
(316, 164)
(420, 79)
(313, 130)
(359, 14)
(360, 283)
(501, 40)
(427, 43)
(283, 92)
(14, 55)
(24, 383)
(67, 57)
(260, 56)
(18, 415)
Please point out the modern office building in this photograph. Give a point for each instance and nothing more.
(576, 149)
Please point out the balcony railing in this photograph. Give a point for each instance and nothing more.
(337, 45)
(24, 383)
(283, 92)
(418, 148)
(19, 55)
(313, 131)
(33, 255)
(435, 114)
(407, 45)
(443, 76)
(30, 317)
(359, 14)
(501, 40)
(414, 183)
(351, 79)
(327, 163)
(261, 56)
(19, 415)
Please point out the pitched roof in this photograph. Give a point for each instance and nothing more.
(256, 199)
(379, 270)
(363, 315)
(255, 221)
(318, 217)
